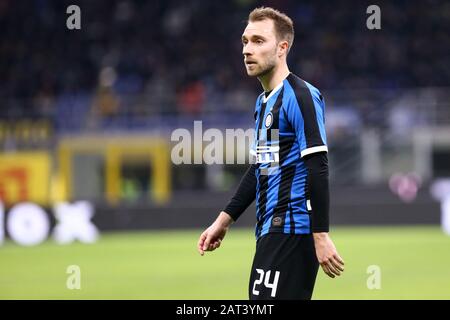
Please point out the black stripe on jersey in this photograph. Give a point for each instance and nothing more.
(263, 176)
(262, 202)
(275, 115)
(286, 143)
(291, 220)
(262, 111)
(259, 103)
(284, 196)
(263, 180)
(286, 176)
(308, 110)
(270, 136)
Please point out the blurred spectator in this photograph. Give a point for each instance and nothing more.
(191, 98)
(155, 47)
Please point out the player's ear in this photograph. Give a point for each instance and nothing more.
(283, 47)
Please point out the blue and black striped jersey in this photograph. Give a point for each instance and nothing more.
(290, 124)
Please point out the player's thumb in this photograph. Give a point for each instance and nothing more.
(207, 242)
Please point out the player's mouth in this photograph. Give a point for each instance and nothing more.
(250, 62)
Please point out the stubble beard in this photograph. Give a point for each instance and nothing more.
(267, 67)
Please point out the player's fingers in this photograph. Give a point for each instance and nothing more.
(216, 245)
(330, 274)
(337, 265)
(332, 268)
(201, 239)
(207, 244)
(339, 259)
(201, 242)
(327, 271)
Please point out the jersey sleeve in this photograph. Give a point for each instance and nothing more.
(306, 115)
(244, 195)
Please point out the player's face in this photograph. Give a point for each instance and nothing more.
(259, 47)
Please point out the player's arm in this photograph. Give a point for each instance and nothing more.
(319, 194)
(318, 189)
(306, 114)
(244, 195)
(212, 237)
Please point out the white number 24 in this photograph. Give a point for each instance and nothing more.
(267, 284)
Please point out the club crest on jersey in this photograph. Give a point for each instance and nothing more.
(269, 120)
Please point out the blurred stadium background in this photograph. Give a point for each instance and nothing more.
(87, 115)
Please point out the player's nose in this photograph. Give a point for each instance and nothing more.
(247, 51)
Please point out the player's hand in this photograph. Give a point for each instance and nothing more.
(212, 237)
(329, 259)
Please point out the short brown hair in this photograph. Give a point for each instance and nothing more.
(284, 27)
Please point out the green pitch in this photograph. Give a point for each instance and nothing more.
(414, 264)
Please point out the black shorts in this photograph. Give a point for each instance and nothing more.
(284, 267)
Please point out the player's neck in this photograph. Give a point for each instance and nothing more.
(270, 80)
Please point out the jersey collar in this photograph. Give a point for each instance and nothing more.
(275, 90)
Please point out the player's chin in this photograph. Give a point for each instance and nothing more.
(252, 73)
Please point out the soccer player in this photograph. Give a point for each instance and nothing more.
(289, 179)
